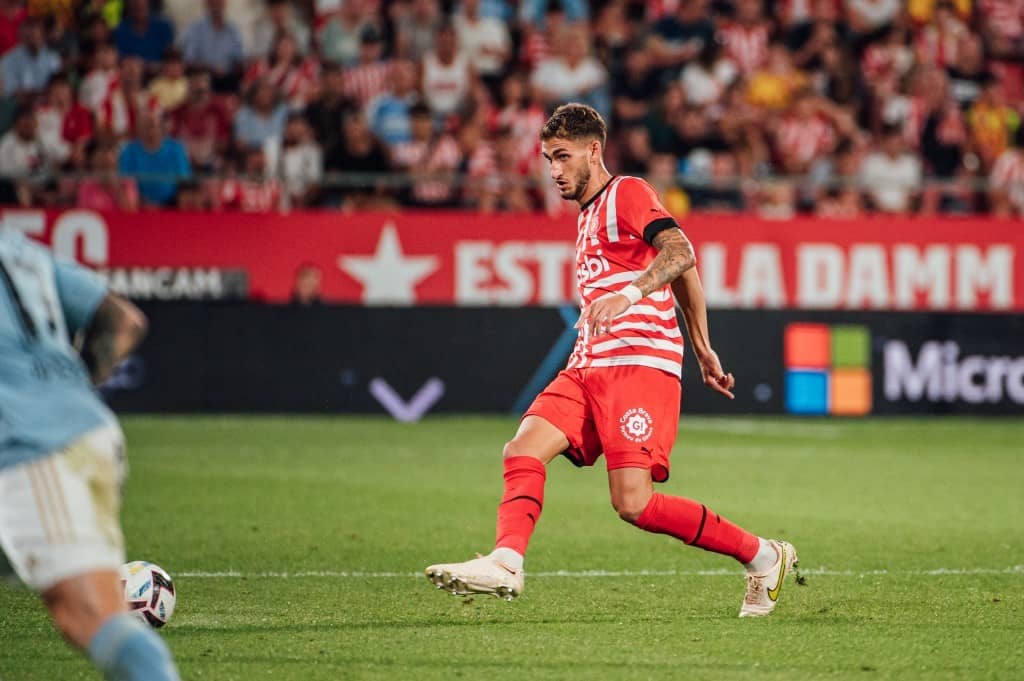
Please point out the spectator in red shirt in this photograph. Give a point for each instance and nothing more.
(11, 15)
(368, 77)
(937, 43)
(101, 79)
(429, 157)
(1006, 190)
(479, 163)
(136, 98)
(804, 134)
(515, 194)
(104, 189)
(250, 191)
(886, 61)
(114, 93)
(520, 114)
(65, 126)
(294, 76)
(201, 123)
(746, 38)
(1003, 27)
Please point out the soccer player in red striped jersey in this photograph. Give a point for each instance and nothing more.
(619, 395)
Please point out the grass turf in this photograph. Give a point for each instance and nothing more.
(912, 532)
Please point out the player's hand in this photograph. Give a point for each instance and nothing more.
(714, 376)
(597, 317)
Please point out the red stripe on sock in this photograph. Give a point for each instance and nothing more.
(695, 524)
(522, 502)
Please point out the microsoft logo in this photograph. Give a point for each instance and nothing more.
(828, 369)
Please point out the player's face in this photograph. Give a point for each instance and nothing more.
(569, 165)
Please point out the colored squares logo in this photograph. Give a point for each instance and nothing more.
(828, 369)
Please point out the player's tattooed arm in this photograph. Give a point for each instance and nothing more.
(117, 327)
(675, 256)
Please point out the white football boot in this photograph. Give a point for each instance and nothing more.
(482, 575)
(763, 588)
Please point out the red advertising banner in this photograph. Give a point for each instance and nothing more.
(472, 259)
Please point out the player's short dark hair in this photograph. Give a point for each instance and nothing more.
(575, 122)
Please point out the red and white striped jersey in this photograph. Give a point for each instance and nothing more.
(1005, 18)
(248, 196)
(747, 46)
(439, 156)
(886, 63)
(365, 81)
(803, 140)
(534, 49)
(794, 12)
(1008, 175)
(611, 252)
(297, 82)
(939, 47)
(523, 121)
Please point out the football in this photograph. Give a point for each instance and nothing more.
(149, 592)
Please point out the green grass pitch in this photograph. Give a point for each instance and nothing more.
(295, 543)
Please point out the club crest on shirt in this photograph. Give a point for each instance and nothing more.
(637, 425)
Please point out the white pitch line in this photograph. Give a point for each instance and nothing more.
(739, 426)
(591, 574)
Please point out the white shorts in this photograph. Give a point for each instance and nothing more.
(60, 515)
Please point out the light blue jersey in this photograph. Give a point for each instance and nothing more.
(46, 398)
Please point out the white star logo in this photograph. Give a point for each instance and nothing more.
(388, 276)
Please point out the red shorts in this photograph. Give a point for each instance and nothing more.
(628, 413)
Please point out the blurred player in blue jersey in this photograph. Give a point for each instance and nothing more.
(62, 454)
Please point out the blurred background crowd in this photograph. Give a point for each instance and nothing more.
(836, 108)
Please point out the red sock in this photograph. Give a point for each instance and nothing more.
(694, 524)
(521, 505)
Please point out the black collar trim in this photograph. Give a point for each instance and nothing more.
(599, 192)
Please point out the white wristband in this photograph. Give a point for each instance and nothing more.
(633, 294)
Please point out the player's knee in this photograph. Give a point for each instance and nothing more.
(514, 447)
(74, 618)
(79, 612)
(629, 506)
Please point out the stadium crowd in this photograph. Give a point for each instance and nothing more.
(830, 107)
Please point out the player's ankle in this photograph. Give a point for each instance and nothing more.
(509, 557)
(766, 557)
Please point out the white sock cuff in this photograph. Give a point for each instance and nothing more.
(765, 558)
